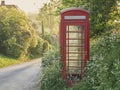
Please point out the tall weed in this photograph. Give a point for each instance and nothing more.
(51, 72)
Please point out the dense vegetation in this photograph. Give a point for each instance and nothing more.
(16, 33)
(19, 38)
(51, 77)
(102, 70)
(104, 65)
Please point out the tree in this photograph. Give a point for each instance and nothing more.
(49, 17)
(102, 15)
(16, 33)
(74, 3)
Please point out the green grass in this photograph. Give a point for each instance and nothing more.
(5, 61)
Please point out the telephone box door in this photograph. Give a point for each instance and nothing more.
(75, 49)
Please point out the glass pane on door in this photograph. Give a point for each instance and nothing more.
(74, 49)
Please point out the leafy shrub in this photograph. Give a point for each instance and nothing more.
(51, 77)
(46, 46)
(50, 38)
(16, 33)
(50, 57)
(38, 50)
(42, 47)
(104, 66)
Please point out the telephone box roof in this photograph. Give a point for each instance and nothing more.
(74, 8)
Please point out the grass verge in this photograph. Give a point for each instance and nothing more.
(5, 61)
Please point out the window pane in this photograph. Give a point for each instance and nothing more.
(74, 48)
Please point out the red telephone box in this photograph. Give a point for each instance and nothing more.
(74, 43)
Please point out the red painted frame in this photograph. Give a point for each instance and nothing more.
(64, 22)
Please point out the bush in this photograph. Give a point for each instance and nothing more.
(51, 77)
(16, 33)
(50, 57)
(50, 38)
(38, 50)
(46, 46)
(104, 66)
(42, 47)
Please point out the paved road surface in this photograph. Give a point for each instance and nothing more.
(21, 77)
